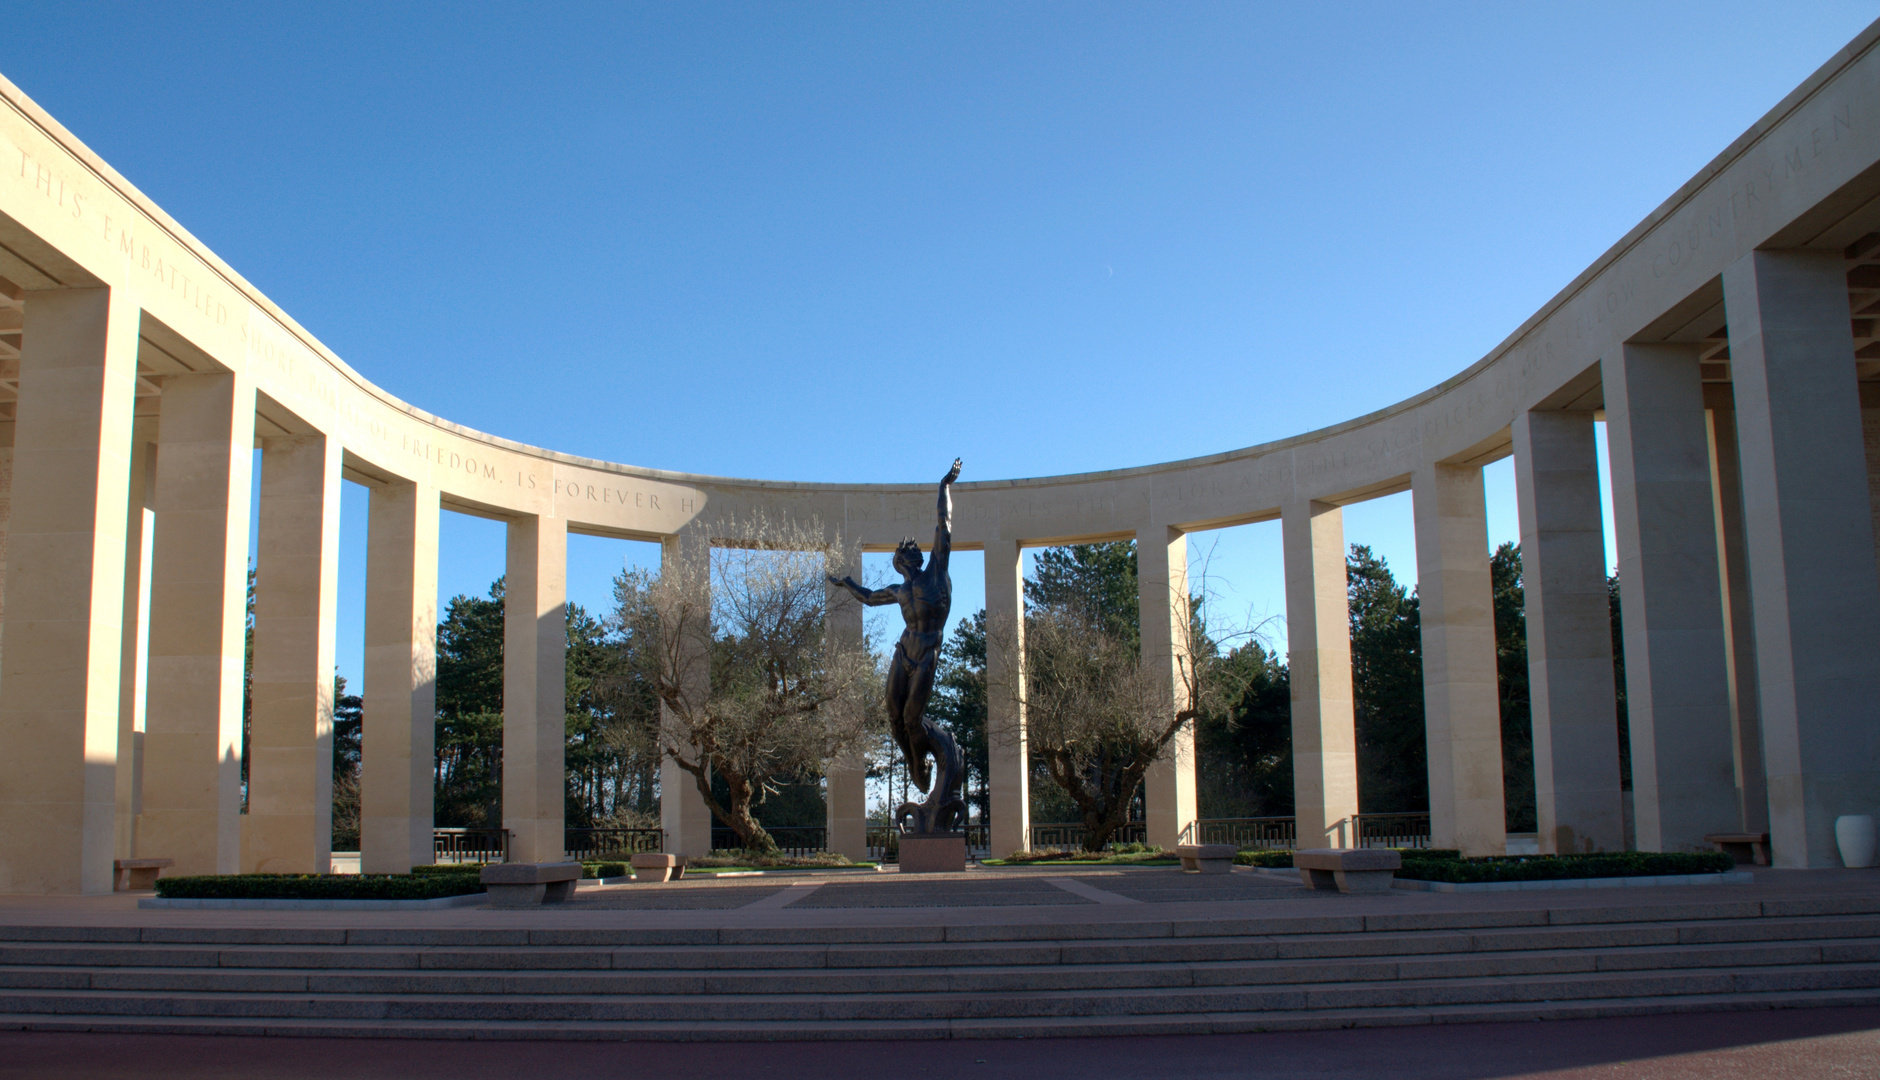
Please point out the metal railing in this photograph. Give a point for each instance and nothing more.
(1069, 835)
(1392, 830)
(600, 843)
(470, 845)
(1272, 833)
(790, 839)
(978, 841)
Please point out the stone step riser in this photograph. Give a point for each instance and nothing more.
(948, 955)
(1741, 920)
(692, 1030)
(941, 1006)
(1056, 977)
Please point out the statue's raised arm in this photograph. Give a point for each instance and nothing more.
(943, 532)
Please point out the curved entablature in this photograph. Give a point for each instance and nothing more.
(1799, 178)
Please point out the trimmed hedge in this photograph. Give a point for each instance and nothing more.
(733, 859)
(318, 886)
(1438, 864)
(1616, 864)
(1450, 866)
(446, 869)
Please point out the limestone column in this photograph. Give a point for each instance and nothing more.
(682, 811)
(1162, 592)
(290, 736)
(6, 512)
(1569, 634)
(1739, 624)
(1677, 686)
(535, 689)
(65, 592)
(1810, 539)
(198, 623)
(845, 784)
(1318, 639)
(1870, 432)
(1461, 686)
(1007, 760)
(133, 674)
(398, 755)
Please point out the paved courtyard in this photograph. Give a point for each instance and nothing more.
(1817, 1044)
(1047, 897)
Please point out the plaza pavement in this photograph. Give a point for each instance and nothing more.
(1046, 898)
(1813, 1044)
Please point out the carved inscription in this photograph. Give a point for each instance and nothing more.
(181, 274)
(608, 495)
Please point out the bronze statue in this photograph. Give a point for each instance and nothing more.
(926, 597)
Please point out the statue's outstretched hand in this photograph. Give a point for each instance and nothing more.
(953, 473)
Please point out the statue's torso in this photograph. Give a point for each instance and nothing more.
(926, 600)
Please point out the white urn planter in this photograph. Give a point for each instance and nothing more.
(1854, 835)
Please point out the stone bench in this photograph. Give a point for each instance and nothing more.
(1349, 870)
(1745, 847)
(652, 866)
(520, 885)
(1207, 858)
(136, 875)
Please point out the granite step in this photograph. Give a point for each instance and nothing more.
(971, 978)
(1714, 912)
(950, 1005)
(747, 1030)
(1193, 949)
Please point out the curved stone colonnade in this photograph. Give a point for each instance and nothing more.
(1724, 340)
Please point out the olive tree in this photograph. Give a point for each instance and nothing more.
(1097, 714)
(751, 684)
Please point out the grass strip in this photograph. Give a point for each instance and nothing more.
(1084, 858)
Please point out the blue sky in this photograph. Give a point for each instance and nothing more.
(751, 239)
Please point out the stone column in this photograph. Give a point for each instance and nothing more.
(133, 674)
(290, 736)
(1008, 763)
(398, 763)
(1569, 634)
(845, 784)
(1162, 592)
(1739, 624)
(198, 623)
(1810, 538)
(682, 811)
(6, 513)
(535, 689)
(1677, 687)
(1318, 640)
(1461, 686)
(1870, 433)
(65, 592)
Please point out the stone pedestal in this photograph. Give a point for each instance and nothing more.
(936, 853)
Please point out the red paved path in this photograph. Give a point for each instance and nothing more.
(1818, 1044)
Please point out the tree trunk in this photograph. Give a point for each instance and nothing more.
(737, 814)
